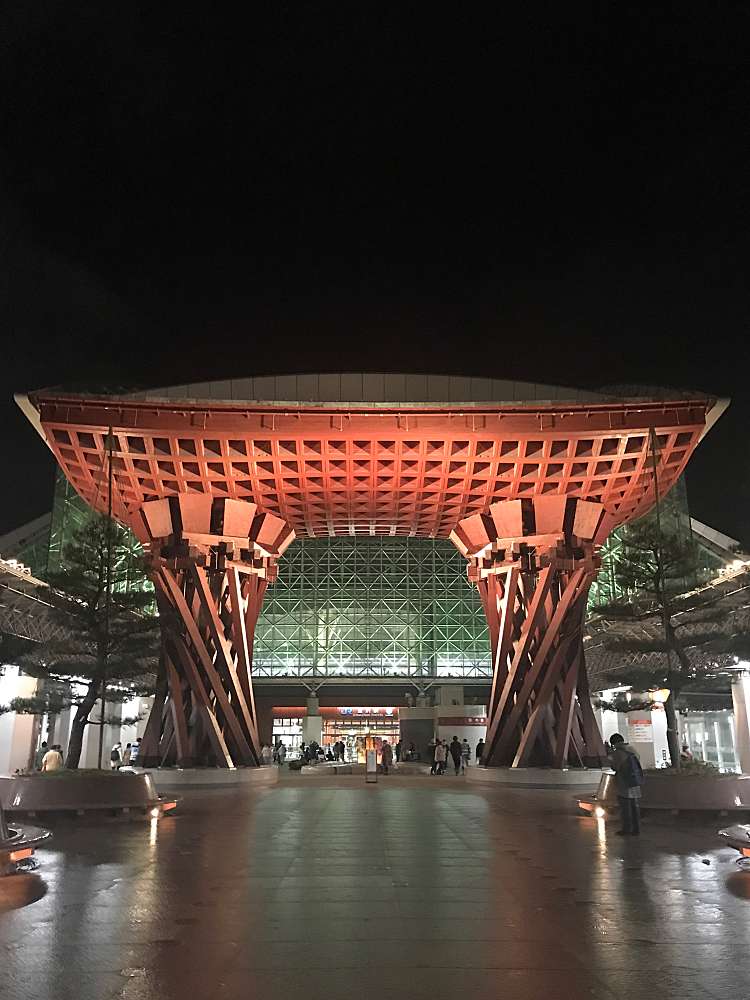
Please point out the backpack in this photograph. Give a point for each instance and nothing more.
(632, 771)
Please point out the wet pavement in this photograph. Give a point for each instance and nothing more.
(414, 887)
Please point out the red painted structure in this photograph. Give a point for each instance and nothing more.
(408, 469)
(533, 562)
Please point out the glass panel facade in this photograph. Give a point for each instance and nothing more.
(372, 606)
(710, 737)
(675, 520)
(70, 513)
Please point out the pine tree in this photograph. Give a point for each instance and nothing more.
(105, 643)
(657, 568)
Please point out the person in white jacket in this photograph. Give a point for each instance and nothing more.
(441, 755)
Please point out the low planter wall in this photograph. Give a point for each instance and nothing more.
(326, 770)
(536, 777)
(178, 779)
(64, 791)
(685, 792)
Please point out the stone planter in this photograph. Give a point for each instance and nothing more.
(536, 777)
(183, 779)
(722, 793)
(80, 792)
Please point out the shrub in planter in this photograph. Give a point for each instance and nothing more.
(689, 769)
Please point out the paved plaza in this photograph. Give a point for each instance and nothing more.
(414, 887)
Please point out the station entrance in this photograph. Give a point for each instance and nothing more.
(360, 728)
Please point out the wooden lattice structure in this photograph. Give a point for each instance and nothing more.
(211, 561)
(533, 562)
(174, 471)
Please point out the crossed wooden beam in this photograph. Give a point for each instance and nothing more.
(211, 561)
(533, 561)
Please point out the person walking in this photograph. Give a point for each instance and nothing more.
(431, 748)
(386, 756)
(479, 752)
(53, 759)
(135, 749)
(281, 753)
(628, 779)
(465, 755)
(126, 756)
(455, 752)
(441, 755)
(398, 752)
(39, 755)
(115, 757)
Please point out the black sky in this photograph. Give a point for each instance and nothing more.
(557, 195)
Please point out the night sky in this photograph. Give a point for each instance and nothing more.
(558, 196)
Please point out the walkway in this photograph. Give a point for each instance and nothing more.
(416, 887)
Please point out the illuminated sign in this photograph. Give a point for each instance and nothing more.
(465, 720)
(366, 710)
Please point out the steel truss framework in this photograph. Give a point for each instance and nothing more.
(26, 606)
(371, 607)
(350, 469)
(533, 562)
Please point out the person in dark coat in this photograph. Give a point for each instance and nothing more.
(479, 752)
(40, 755)
(456, 752)
(628, 778)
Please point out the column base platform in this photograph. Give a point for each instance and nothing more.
(177, 779)
(536, 777)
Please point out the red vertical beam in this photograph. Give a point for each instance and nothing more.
(223, 652)
(177, 706)
(242, 646)
(504, 642)
(541, 704)
(217, 688)
(515, 672)
(565, 712)
(205, 707)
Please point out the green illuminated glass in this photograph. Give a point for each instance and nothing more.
(372, 606)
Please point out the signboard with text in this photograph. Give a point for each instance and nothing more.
(640, 730)
(463, 720)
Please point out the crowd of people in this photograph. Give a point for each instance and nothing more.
(459, 752)
(439, 753)
(124, 758)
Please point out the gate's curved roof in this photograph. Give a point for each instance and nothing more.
(371, 454)
(372, 387)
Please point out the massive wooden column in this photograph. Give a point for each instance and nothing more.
(533, 562)
(211, 561)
